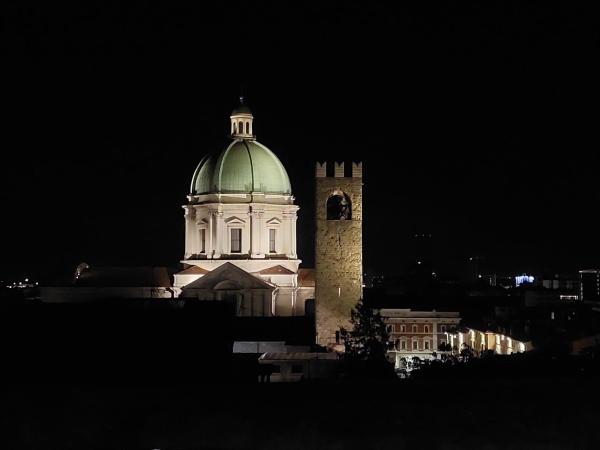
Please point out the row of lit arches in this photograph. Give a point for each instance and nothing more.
(238, 127)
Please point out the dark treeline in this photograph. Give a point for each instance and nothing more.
(106, 342)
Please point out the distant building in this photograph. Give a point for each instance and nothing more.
(481, 341)
(418, 333)
(561, 282)
(104, 283)
(589, 288)
(524, 279)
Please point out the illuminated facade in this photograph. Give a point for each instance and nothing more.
(481, 341)
(422, 334)
(338, 249)
(241, 211)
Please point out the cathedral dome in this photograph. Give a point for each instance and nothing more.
(245, 166)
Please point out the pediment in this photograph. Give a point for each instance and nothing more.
(274, 221)
(234, 220)
(202, 222)
(233, 275)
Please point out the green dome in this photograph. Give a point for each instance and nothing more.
(245, 166)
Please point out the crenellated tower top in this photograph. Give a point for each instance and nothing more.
(338, 170)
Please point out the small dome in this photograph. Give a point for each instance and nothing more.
(245, 166)
(241, 109)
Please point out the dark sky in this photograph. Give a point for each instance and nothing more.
(475, 121)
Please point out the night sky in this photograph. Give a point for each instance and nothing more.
(475, 121)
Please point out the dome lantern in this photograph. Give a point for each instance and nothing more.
(241, 121)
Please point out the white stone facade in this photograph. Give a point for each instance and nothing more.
(208, 228)
(255, 231)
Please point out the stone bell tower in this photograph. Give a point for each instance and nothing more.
(338, 253)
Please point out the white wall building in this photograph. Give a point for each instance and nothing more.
(241, 211)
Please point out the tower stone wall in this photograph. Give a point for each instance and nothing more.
(338, 253)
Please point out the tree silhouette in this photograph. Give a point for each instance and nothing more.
(369, 338)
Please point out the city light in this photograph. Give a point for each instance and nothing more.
(524, 279)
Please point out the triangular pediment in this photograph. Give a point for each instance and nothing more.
(274, 221)
(231, 273)
(234, 220)
(202, 222)
(276, 270)
(194, 270)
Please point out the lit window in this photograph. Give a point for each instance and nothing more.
(272, 241)
(202, 240)
(236, 240)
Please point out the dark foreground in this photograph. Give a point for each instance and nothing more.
(560, 413)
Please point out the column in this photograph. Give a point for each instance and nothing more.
(286, 237)
(256, 231)
(260, 234)
(210, 231)
(434, 327)
(293, 220)
(220, 231)
(188, 215)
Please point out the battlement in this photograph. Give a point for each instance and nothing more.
(338, 170)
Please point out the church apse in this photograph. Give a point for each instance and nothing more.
(338, 252)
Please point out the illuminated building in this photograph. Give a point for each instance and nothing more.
(418, 333)
(338, 249)
(589, 286)
(240, 239)
(524, 279)
(481, 341)
(240, 229)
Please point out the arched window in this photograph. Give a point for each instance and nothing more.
(234, 128)
(247, 127)
(241, 127)
(339, 207)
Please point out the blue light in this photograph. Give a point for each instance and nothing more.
(524, 279)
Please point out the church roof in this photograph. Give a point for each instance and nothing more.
(298, 356)
(194, 270)
(232, 275)
(244, 166)
(276, 270)
(124, 277)
(306, 277)
(241, 109)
